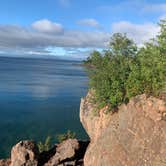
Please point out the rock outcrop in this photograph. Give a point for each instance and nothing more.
(65, 150)
(69, 152)
(25, 153)
(135, 135)
(5, 162)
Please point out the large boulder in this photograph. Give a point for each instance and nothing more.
(64, 151)
(25, 153)
(133, 136)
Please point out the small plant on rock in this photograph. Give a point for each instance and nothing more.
(68, 135)
(44, 146)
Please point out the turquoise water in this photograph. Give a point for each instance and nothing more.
(39, 97)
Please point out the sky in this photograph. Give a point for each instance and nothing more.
(74, 28)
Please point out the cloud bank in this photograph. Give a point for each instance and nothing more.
(21, 37)
(140, 33)
(44, 34)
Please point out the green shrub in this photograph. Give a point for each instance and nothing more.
(123, 71)
(44, 146)
(68, 135)
(47, 144)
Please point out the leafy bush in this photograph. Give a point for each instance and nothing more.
(123, 71)
(45, 146)
(68, 135)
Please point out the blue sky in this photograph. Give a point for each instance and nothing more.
(73, 28)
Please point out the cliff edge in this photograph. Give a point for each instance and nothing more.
(135, 135)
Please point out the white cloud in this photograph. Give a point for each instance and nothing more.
(89, 22)
(47, 26)
(140, 33)
(162, 17)
(21, 38)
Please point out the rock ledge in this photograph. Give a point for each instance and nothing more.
(133, 136)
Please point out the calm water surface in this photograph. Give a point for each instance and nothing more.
(39, 97)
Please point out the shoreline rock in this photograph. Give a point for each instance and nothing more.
(5, 162)
(135, 135)
(26, 153)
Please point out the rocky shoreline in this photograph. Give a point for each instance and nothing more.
(26, 153)
(133, 136)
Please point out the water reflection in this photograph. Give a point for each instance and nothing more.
(39, 97)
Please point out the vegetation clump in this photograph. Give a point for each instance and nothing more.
(124, 70)
(68, 135)
(48, 143)
(44, 146)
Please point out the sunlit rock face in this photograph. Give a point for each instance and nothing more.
(133, 136)
(25, 153)
(64, 151)
(6, 162)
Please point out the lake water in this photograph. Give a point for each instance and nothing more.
(39, 97)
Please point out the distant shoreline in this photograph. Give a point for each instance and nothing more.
(41, 58)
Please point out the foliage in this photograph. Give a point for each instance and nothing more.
(123, 71)
(47, 144)
(44, 146)
(121, 45)
(68, 135)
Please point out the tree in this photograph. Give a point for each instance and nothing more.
(121, 45)
(161, 39)
(122, 71)
(94, 58)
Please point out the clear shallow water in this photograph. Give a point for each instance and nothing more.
(39, 97)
